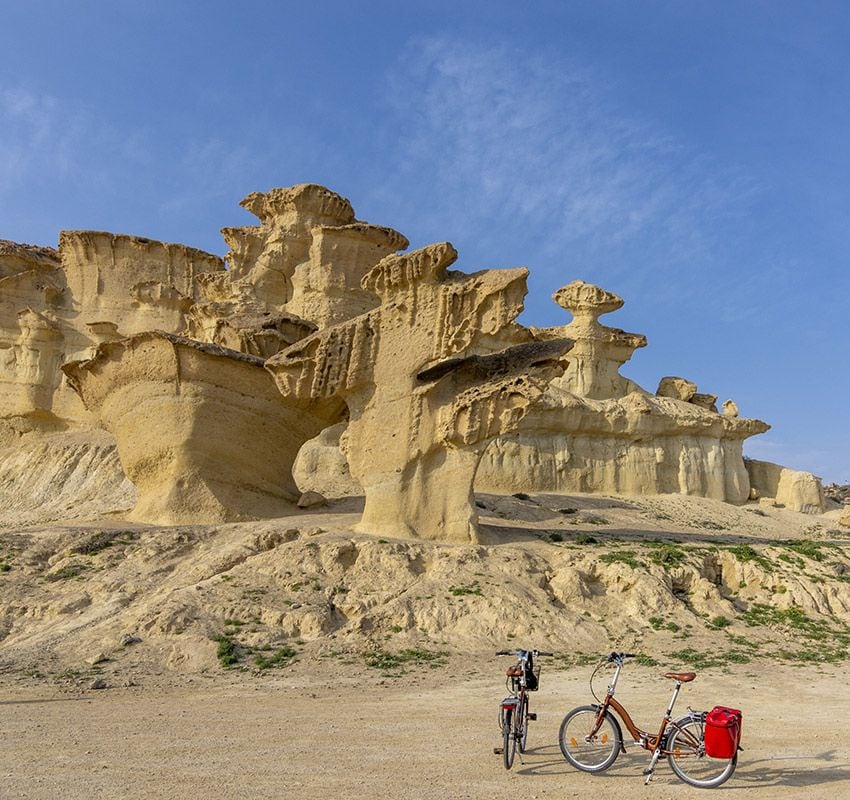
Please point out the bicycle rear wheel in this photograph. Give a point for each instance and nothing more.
(589, 753)
(688, 759)
(522, 725)
(508, 739)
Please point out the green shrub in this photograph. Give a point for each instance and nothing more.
(281, 657)
(380, 659)
(745, 553)
(228, 650)
(621, 557)
(460, 591)
(666, 554)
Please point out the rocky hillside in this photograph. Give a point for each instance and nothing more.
(686, 581)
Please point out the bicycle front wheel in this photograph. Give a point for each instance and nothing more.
(522, 725)
(508, 739)
(587, 750)
(687, 757)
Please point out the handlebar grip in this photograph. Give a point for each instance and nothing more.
(544, 653)
(504, 652)
(617, 656)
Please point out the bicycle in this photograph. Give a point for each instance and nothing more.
(591, 738)
(514, 716)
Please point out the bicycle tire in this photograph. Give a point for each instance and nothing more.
(508, 740)
(688, 760)
(522, 730)
(588, 755)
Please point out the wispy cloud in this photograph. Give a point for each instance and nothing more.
(534, 146)
(29, 135)
(45, 140)
(91, 160)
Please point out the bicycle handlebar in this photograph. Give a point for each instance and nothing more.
(618, 656)
(518, 652)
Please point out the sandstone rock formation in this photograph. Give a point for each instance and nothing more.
(424, 393)
(797, 491)
(599, 351)
(595, 431)
(428, 365)
(298, 271)
(202, 432)
(321, 466)
(30, 285)
(56, 306)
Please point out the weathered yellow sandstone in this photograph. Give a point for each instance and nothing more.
(202, 432)
(423, 404)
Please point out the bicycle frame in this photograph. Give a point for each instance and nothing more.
(648, 741)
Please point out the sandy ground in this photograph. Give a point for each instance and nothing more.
(333, 731)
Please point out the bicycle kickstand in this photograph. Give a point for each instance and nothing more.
(649, 772)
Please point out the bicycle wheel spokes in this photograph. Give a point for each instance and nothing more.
(689, 761)
(584, 748)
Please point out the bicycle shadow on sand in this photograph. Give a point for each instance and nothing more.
(780, 771)
(800, 771)
(548, 760)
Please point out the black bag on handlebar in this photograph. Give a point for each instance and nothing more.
(532, 675)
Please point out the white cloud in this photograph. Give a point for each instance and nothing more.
(533, 146)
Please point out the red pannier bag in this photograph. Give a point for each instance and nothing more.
(722, 732)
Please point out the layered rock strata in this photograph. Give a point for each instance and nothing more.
(31, 288)
(60, 305)
(596, 431)
(424, 397)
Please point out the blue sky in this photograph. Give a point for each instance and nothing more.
(693, 157)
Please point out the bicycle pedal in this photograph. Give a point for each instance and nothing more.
(532, 716)
(498, 751)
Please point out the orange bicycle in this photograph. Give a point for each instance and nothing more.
(591, 738)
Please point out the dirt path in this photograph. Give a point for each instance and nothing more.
(329, 731)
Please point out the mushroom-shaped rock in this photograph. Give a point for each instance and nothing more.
(599, 351)
(424, 396)
(595, 431)
(202, 431)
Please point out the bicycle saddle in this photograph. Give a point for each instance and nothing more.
(682, 677)
(514, 672)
